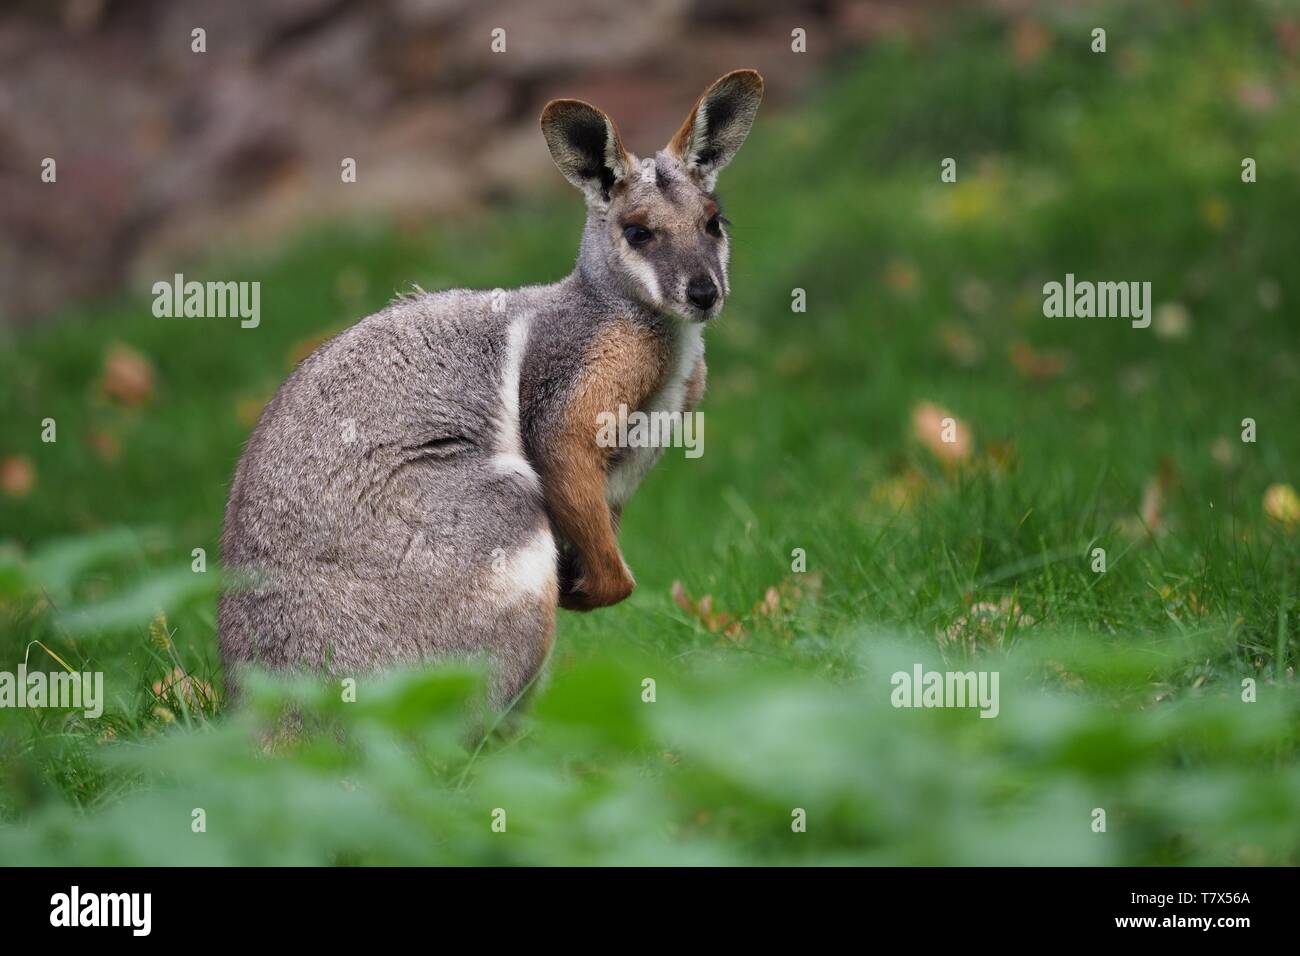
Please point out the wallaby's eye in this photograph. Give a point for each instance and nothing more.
(637, 235)
(714, 226)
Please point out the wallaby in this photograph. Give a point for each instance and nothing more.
(429, 485)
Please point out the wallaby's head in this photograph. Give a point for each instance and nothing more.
(655, 230)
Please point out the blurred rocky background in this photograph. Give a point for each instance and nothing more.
(163, 153)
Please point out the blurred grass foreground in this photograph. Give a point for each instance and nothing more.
(739, 708)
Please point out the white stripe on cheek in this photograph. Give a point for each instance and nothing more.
(644, 272)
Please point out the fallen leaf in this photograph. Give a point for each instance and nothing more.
(1150, 518)
(1069, 679)
(1034, 365)
(900, 492)
(1001, 457)
(1282, 505)
(1079, 396)
(1223, 452)
(784, 599)
(770, 605)
(1177, 602)
(106, 445)
(1172, 321)
(946, 436)
(179, 687)
(1153, 495)
(774, 608)
(128, 376)
(985, 623)
(1256, 97)
(17, 476)
(702, 610)
(902, 277)
(960, 345)
(1029, 41)
(1287, 31)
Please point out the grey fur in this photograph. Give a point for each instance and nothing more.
(379, 512)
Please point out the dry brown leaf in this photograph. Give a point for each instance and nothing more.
(17, 476)
(1282, 505)
(770, 606)
(1223, 452)
(1068, 678)
(1001, 457)
(682, 599)
(900, 492)
(1029, 41)
(106, 445)
(128, 376)
(702, 610)
(1150, 518)
(776, 604)
(1172, 321)
(784, 598)
(1256, 97)
(1035, 365)
(902, 277)
(1178, 602)
(960, 345)
(984, 623)
(185, 688)
(933, 426)
(1287, 31)
(1153, 502)
(1079, 396)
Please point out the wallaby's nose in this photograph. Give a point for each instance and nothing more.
(702, 292)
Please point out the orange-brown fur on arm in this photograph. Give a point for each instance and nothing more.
(623, 365)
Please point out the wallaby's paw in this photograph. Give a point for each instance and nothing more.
(590, 592)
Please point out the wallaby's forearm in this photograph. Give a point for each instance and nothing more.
(575, 500)
(623, 363)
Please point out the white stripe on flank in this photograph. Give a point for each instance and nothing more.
(531, 571)
(509, 458)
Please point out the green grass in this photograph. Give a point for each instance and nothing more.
(1120, 691)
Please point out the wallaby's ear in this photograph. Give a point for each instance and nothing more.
(585, 145)
(718, 125)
